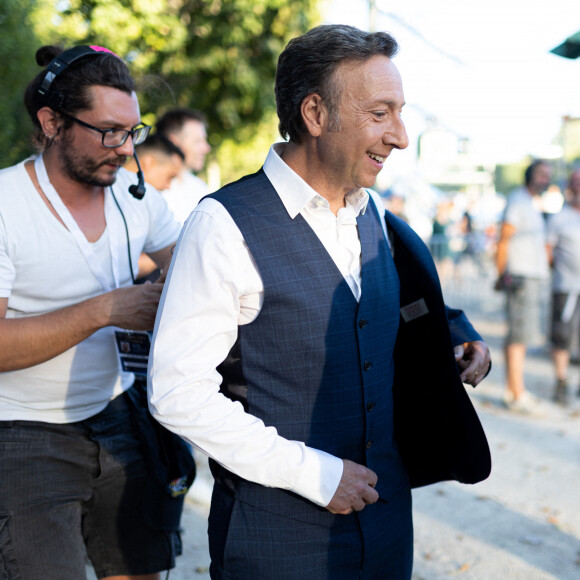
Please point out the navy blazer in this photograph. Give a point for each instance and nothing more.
(437, 429)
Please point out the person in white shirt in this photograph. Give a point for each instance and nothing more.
(564, 254)
(521, 257)
(274, 347)
(186, 128)
(161, 161)
(75, 480)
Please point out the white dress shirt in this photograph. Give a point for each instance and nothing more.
(214, 286)
(184, 194)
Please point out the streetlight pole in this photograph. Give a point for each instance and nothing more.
(373, 15)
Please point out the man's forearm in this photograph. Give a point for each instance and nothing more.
(28, 341)
(25, 342)
(239, 441)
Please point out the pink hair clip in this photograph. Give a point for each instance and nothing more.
(102, 49)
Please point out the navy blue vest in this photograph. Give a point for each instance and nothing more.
(315, 364)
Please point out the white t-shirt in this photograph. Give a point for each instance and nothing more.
(564, 237)
(184, 194)
(42, 269)
(527, 255)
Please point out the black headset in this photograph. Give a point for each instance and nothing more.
(55, 99)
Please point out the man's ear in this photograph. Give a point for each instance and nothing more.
(314, 114)
(147, 161)
(175, 140)
(50, 121)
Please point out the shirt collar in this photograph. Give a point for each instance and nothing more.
(295, 193)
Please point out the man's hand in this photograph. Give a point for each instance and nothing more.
(355, 490)
(473, 360)
(133, 307)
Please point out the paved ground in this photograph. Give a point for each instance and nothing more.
(521, 523)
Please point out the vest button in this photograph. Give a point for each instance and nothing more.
(362, 323)
(369, 444)
(367, 365)
(370, 406)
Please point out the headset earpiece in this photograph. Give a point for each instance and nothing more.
(54, 98)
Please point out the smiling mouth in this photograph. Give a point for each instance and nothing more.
(377, 158)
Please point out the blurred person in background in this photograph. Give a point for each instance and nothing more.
(522, 267)
(439, 243)
(471, 246)
(186, 128)
(161, 161)
(564, 254)
(396, 204)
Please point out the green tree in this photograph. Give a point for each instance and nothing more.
(218, 56)
(510, 176)
(17, 67)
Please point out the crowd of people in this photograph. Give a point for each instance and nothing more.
(533, 251)
(287, 314)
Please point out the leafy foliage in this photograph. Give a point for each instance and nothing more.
(17, 68)
(218, 56)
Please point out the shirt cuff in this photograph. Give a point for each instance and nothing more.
(320, 476)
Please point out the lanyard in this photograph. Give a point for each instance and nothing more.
(113, 223)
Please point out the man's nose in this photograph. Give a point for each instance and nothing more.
(127, 149)
(396, 135)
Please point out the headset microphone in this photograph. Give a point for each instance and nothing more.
(138, 190)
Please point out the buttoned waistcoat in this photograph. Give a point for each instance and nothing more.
(316, 364)
(348, 377)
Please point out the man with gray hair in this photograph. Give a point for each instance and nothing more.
(291, 329)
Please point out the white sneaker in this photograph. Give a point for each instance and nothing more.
(525, 404)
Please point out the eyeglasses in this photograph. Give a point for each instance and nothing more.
(112, 138)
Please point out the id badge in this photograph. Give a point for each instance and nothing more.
(133, 347)
(414, 310)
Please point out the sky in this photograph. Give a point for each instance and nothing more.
(482, 68)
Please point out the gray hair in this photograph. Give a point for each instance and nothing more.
(307, 65)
